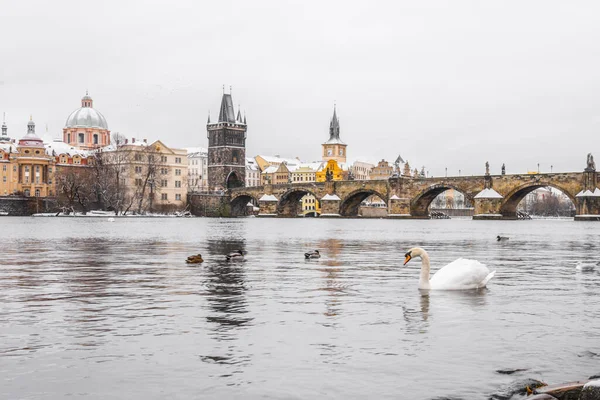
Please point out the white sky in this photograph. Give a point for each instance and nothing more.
(444, 83)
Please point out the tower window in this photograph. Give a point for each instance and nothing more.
(95, 139)
(81, 138)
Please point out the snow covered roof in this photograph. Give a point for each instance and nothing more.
(271, 169)
(334, 140)
(196, 151)
(279, 160)
(330, 197)
(59, 147)
(6, 146)
(488, 194)
(268, 197)
(589, 193)
(305, 167)
(394, 197)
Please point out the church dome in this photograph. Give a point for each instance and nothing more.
(86, 116)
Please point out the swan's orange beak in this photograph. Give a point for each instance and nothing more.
(407, 259)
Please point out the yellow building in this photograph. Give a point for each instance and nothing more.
(25, 168)
(334, 148)
(337, 171)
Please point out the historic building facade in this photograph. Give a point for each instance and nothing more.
(252, 173)
(197, 169)
(334, 148)
(226, 148)
(383, 170)
(86, 127)
(25, 167)
(153, 175)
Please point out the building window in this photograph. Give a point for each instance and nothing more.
(37, 192)
(68, 138)
(164, 171)
(163, 196)
(177, 184)
(81, 138)
(138, 170)
(164, 183)
(177, 172)
(95, 139)
(177, 197)
(4, 178)
(137, 157)
(26, 192)
(163, 158)
(138, 182)
(49, 169)
(177, 160)
(4, 168)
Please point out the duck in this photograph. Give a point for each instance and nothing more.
(312, 254)
(195, 259)
(585, 266)
(461, 274)
(501, 238)
(235, 255)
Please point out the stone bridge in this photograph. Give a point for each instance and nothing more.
(493, 196)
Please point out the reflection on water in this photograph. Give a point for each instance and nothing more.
(87, 302)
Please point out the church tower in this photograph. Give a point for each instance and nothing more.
(334, 148)
(226, 148)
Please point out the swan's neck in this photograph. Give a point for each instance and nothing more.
(425, 267)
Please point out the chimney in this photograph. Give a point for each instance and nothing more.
(145, 140)
(132, 140)
(126, 141)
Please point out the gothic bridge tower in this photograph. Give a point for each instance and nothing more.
(226, 148)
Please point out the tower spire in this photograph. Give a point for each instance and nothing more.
(334, 126)
(208, 122)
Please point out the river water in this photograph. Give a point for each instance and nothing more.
(110, 310)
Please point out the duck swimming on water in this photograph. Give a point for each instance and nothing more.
(501, 238)
(312, 254)
(235, 255)
(195, 259)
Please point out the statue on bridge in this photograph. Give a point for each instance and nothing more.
(503, 169)
(591, 165)
(406, 169)
(328, 175)
(487, 168)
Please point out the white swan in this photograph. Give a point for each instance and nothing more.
(461, 274)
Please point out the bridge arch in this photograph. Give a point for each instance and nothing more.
(419, 205)
(508, 209)
(239, 204)
(290, 204)
(350, 205)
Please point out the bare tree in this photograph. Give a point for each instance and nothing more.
(75, 188)
(149, 163)
(110, 167)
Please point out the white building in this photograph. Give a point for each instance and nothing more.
(197, 169)
(361, 170)
(252, 173)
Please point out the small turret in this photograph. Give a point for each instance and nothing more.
(4, 137)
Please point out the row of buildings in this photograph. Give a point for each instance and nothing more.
(156, 175)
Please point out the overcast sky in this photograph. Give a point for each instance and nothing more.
(443, 83)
